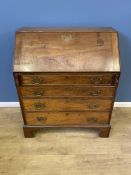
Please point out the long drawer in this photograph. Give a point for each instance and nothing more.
(67, 91)
(66, 118)
(62, 78)
(65, 104)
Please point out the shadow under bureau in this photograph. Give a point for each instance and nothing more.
(66, 77)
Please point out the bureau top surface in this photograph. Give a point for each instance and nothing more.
(66, 50)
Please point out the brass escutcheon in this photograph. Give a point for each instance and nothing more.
(66, 37)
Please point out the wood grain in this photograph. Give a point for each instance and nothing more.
(66, 118)
(67, 91)
(67, 78)
(69, 70)
(65, 51)
(69, 104)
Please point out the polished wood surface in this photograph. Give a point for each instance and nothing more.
(66, 118)
(67, 91)
(66, 51)
(58, 104)
(66, 78)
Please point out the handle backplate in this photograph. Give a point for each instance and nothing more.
(39, 106)
(38, 92)
(41, 119)
(93, 106)
(95, 92)
(91, 119)
(37, 80)
(96, 80)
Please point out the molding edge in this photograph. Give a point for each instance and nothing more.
(16, 104)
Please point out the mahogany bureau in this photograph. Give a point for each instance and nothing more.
(66, 77)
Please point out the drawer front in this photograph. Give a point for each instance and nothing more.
(66, 118)
(40, 79)
(61, 104)
(67, 91)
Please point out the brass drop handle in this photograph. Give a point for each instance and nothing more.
(95, 92)
(91, 120)
(37, 80)
(96, 80)
(39, 106)
(41, 119)
(93, 106)
(38, 92)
